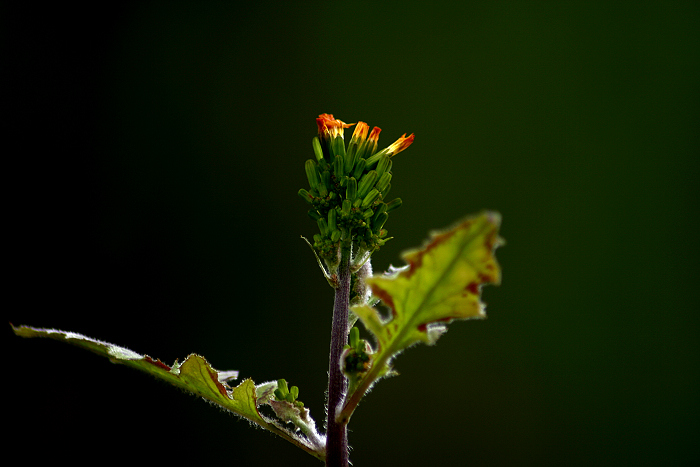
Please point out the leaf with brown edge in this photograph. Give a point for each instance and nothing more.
(440, 283)
(194, 375)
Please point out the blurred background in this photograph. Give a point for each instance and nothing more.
(154, 154)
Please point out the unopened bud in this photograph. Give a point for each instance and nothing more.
(359, 168)
(393, 204)
(354, 337)
(383, 182)
(282, 386)
(383, 165)
(347, 206)
(312, 174)
(338, 168)
(379, 222)
(351, 190)
(369, 199)
(306, 196)
(322, 226)
(366, 183)
(326, 185)
(335, 236)
(317, 149)
(331, 220)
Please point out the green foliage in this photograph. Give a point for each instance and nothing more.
(196, 375)
(441, 282)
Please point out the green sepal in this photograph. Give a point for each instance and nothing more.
(327, 185)
(383, 182)
(366, 183)
(378, 211)
(318, 150)
(370, 198)
(350, 157)
(338, 144)
(383, 165)
(375, 158)
(322, 226)
(369, 147)
(379, 222)
(312, 174)
(393, 204)
(332, 214)
(306, 196)
(314, 214)
(351, 190)
(335, 236)
(338, 167)
(359, 168)
(347, 207)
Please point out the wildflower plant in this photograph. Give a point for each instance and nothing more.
(347, 197)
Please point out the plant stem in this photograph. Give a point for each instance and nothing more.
(336, 433)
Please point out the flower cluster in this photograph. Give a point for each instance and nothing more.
(349, 186)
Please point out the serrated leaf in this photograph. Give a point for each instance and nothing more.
(194, 375)
(440, 283)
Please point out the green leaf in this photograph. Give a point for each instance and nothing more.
(197, 376)
(440, 283)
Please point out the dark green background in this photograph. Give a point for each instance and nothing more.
(152, 161)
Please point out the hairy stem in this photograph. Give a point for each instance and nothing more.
(337, 434)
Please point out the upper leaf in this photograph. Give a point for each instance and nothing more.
(440, 283)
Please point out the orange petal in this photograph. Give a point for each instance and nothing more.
(400, 144)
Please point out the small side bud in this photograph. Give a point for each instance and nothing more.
(393, 204)
(354, 337)
(306, 196)
(282, 386)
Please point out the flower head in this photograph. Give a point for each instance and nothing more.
(400, 144)
(360, 134)
(348, 188)
(328, 126)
